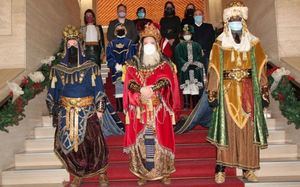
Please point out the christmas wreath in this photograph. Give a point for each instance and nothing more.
(13, 110)
(283, 91)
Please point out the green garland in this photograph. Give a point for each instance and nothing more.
(285, 95)
(13, 112)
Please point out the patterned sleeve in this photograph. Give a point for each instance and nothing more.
(99, 95)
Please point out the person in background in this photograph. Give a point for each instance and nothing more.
(189, 60)
(170, 27)
(204, 34)
(188, 15)
(141, 20)
(132, 33)
(118, 51)
(93, 38)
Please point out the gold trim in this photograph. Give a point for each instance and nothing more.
(102, 170)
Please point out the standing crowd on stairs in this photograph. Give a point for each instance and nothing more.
(221, 78)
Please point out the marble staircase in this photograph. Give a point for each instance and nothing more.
(38, 165)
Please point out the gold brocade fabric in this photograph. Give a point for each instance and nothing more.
(73, 106)
(237, 66)
(241, 151)
(163, 161)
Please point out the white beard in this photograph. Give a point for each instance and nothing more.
(150, 60)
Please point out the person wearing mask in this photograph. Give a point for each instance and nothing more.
(118, 51)
(188, 15)
(77, 103)
(141, 20)
(132, 33)
(93, 38)
(170, 27)
(204, 34)
(238, 91)
(151, 100)
(189, 60)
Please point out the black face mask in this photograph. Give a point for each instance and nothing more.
(170, 11)
(73, 56)
(121, 32)
(190, 12)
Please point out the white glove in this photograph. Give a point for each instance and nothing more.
(118, 67)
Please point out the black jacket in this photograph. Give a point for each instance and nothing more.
(204, 35)
(130, 27)
(170, 27)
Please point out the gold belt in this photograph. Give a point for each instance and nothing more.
(237, 74)
(69, 102)
(155, 100)
(73, 106)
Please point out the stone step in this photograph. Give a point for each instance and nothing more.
(30, 159)
(36, 185)
(39, 145)
(105, 70)
(35, 158)
(285, 150)
(273, 124)
(277, 167)
(47, 131)
(277, 136)
(103, 80)
(275, 150)
(34, 176)
(44, 132)
(104, 73)
(103, 66)
(278, 181)
(276, 124)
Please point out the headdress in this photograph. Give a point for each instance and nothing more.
(152, 31)
(188, 29)
(235, 9)
(70, 32)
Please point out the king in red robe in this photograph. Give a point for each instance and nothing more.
(151, 99)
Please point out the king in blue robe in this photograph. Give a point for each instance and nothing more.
(81, 112)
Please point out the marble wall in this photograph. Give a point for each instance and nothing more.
(288, 27)
(12, 33)
(45, 21)
(5, 18)
(36, 33)
(262, 23)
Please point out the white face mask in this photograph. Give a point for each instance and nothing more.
(187, 37)
(149, 49)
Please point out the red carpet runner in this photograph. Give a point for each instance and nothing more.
(195, 161)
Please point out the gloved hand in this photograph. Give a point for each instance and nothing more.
(118, 67)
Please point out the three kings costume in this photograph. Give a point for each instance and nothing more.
(149, 138)
(75, 95)
(237, 88)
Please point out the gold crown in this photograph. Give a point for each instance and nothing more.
(235, 4)
(152, 31)
(70, 32)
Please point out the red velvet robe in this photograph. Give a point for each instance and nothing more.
(167, 50)
(169, 105)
